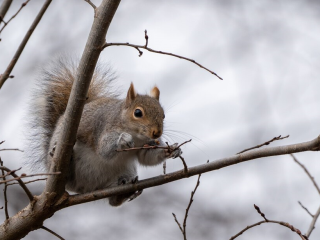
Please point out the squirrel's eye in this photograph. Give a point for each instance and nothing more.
(164, 116)
(138, 113)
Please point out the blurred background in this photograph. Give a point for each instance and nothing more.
(267, 52)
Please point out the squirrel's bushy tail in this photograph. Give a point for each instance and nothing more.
(49, 101)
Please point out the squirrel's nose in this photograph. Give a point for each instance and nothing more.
(156, 134)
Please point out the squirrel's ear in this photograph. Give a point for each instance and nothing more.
(155, 93)
(131, 95)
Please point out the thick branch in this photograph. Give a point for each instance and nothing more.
(4, 8)
(44, 206)
(72, 115)
(214, 165)
(16, 56)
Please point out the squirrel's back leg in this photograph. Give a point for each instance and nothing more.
(119, 199)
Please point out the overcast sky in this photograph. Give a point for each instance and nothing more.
(267, 52)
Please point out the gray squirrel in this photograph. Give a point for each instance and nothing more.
(108, 123)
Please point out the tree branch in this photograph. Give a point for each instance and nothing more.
(4, 192)
(6, 74)
(72, 115)
(138, 47)
(313, 223)
(292, 228)
(40, 179)
(184, 229)
(306, 209)
(312, 145)
(44, 206)
(6, 23)
(16, 177)
(4, 8)
(264, 144)
(307, 172)
(91, 4)
(11, 149)
(315, 216)
(52, 232)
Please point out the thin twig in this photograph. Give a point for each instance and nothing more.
(52, 232)
(313, 223)
(11, 149)
(5, 192)
(262, 222)
(139, 148)
(9, 172)
(183, 144)
(36, 180)
(315, 216)
(91, 3)
(307, 172)
(164, 167)
(261, 213)
(306, 209)
(17, 178)
(153, 147)
(185, 167)
(146, 37)
(264, 144)
(247, 228)
(138, 47)
(32, 181)
(292, 228)
(6, 23)
(2, 142)
(16, 56)
(183, 230)
(175, 218)
(189, 205)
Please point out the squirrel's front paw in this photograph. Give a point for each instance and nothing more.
(173, 152)
(125, 140)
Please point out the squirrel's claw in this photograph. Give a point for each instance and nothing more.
(135, 195)
(173, 152)
(176, 153)
(125, 140)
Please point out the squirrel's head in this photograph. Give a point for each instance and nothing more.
(144, 113)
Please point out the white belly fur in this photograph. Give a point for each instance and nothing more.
(92, 172)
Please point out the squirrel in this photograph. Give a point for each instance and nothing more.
(108, 123)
